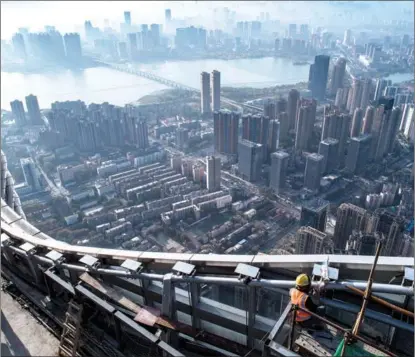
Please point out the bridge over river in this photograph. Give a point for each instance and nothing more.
(173, 84)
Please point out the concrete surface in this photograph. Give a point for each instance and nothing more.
(22, 334)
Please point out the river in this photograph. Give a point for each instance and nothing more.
(100, 84)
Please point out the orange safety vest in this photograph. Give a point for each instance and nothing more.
(299, 298)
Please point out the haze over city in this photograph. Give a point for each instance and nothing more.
(207, 178)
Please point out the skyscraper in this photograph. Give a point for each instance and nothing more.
(342, 95)
(358, 153)
(368, 120)
(30, 173)
(357, 122)
(380, 87)
(278, 170)
(329, 149)
(225, 132)
(293, 97)
(314, 214)
(366, 92)
(310, 241)
(127, 17)
(336, 126)
(132, 45)
(215, 90)
(256, 128)
(274, 136)
(356, 94)
(167, 15)
(337, 77)
(213, 167)
(141, 133)
(361, 243)
(270, 109)
(205, 93)
(19, 46)
(306, 116)
(392, 228)
(73, 48)
(33, 110)
(318, 76)
(349, 218)
(347, 38)
(18, 112)
(313, 171)
(249, 160)
(182, 137)
(407, 122)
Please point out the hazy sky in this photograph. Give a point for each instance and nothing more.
(66, 15)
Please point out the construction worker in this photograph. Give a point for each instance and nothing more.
(300, 296)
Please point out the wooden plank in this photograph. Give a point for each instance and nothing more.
(123, 301)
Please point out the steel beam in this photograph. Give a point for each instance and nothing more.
(252, 299)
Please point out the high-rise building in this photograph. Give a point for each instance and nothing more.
(407, 122)
(306, 116)
(127, 17)
(132, 45)
(256, 128)
(318, 76)
(292, 30)
(293, 98)
(314, 214)
(182, 137)
(313, 171)
(392, 228)
(225, 132)
(368, 120)
(167, 15)
(249, 160)
(310, 241)
(358, 153)
(361, 243)
(357, 122)
(154, 35)
(213, 167)
(356, 94)
(274, 135)
(366, 93)
(337, 78)
(19, 46)
(270, 109)
(73, 48)
(384, 129)
(347, 38)
(122, 50)
(390, 91)
(33, 110)
(380, 87)
(215, 90)
(30, 173)
(278, 170)
(329, 149)
(18, 112)
(341, 98)
(141, 133)
(349, 218)
(205, 93)
(336, 126)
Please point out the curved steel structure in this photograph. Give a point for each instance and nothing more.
(210, 308)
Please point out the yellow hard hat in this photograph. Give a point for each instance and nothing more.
(302, 280)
